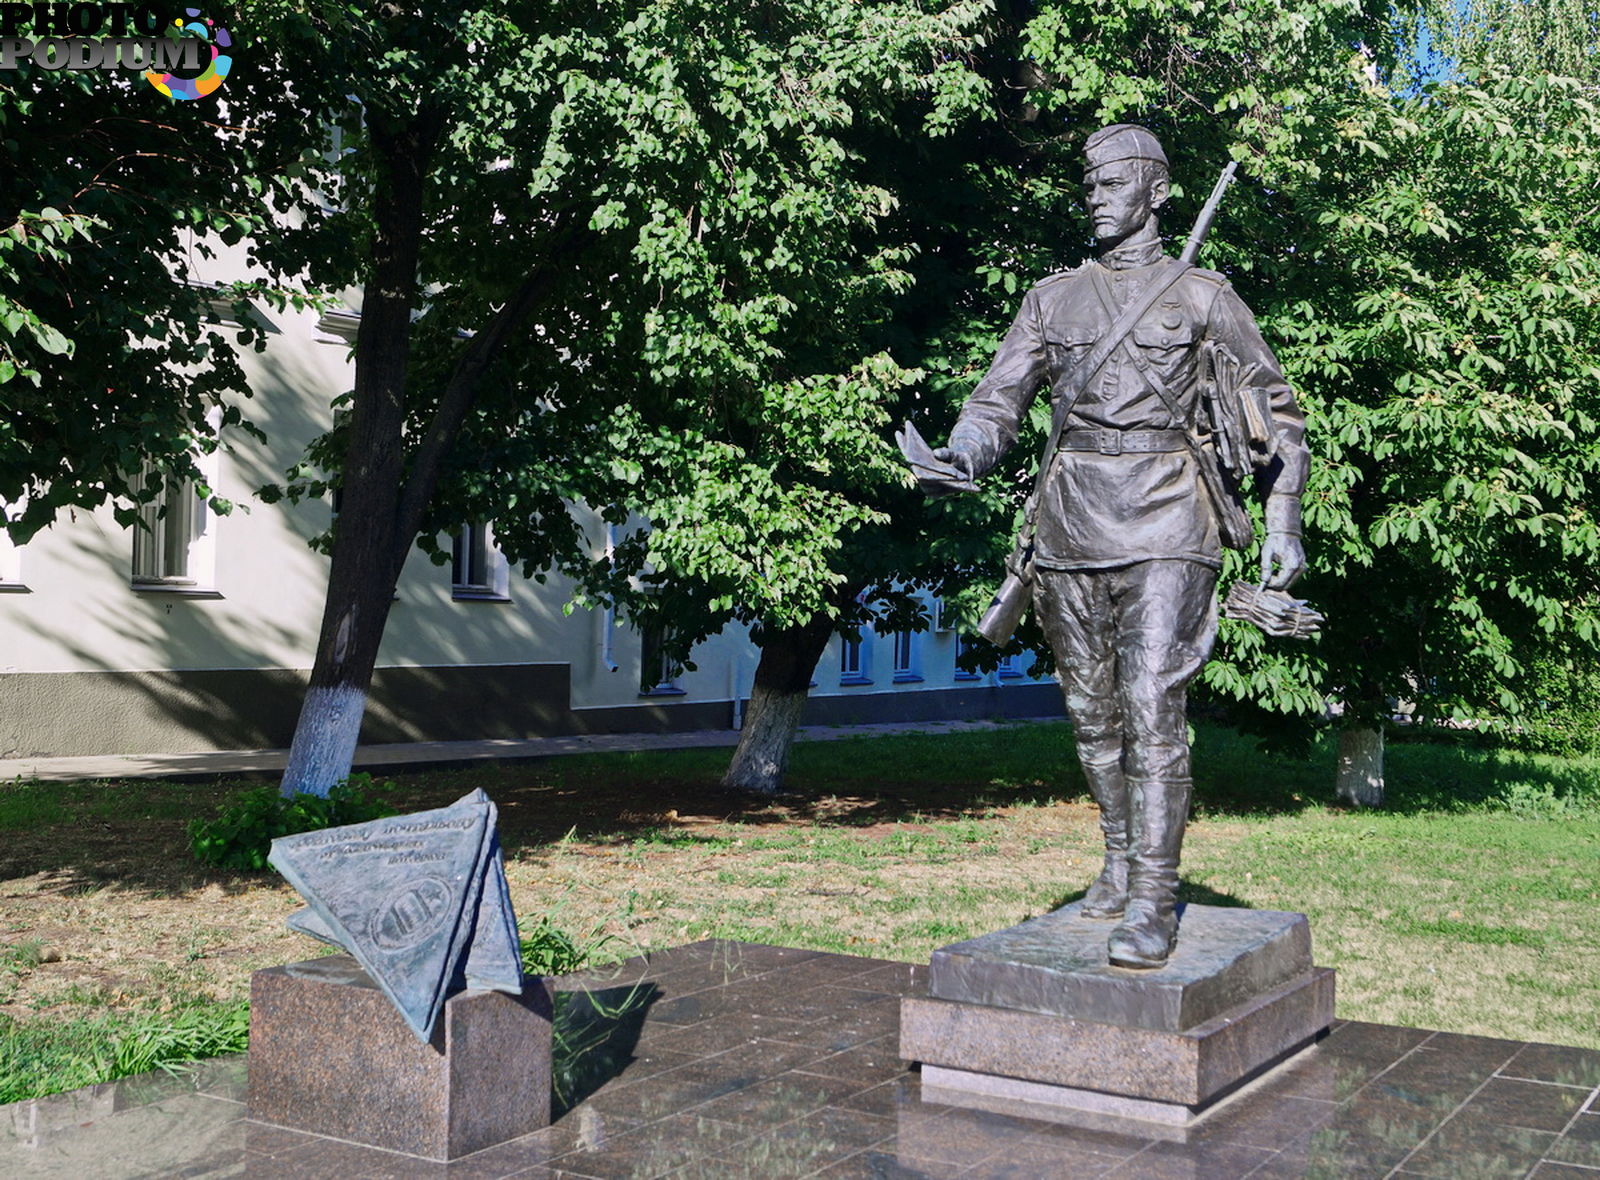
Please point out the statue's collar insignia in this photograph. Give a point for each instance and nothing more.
(1128, 257)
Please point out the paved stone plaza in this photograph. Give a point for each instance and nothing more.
(726, 1059)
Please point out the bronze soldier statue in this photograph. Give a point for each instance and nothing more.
(1152, 364)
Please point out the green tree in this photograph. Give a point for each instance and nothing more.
(110, 356)
(1447, 39)
(1260, 82)
(982, 208)
(788, 509)
(580, 242)
(1447, 327)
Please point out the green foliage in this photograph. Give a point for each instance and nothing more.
(1563, 716)
(732, 401)
(547, 949)
(112, 352)
(649, 241)
(188, 1034)
(1425, 262)
(1449, 353)
(240, 835)
(1451, 38)
(50, 1056)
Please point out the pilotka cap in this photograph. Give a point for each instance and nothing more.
(1121, 141)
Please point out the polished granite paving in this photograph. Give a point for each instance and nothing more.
(726, 1059)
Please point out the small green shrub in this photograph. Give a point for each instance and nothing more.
(549, 950)
(241, 834)
(1565, 718)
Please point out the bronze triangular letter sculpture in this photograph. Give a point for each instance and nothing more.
(420, 900)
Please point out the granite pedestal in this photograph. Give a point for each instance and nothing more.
(1037, 1014)
(330, 1055)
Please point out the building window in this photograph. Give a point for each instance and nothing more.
(171, 542)
(964, 644)
(906, 668)
(855, 660)
(1009, 668)
(469, 558)
(478, 570)
(658, 671)
(10, 563)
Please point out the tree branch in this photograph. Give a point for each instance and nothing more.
(462, 389)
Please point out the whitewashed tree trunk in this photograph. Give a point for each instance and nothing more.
(1360, 775)
(324, 743)
(777, 700)
(765, 738)
(384, 505)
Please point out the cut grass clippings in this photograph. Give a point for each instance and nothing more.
(1471, 902)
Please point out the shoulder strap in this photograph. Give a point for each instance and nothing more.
(1075, 382)
(1141, 365)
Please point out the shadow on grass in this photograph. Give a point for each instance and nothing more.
(133, 833)
(1428, 773)
(1424, 771)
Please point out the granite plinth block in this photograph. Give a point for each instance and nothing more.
(1057, 965)
(1189, 1067)
(330, 1055)
(1040, 1100)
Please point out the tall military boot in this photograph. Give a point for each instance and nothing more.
(1108, 895)
(1149, 927)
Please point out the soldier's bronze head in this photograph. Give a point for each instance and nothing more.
(1124, 181)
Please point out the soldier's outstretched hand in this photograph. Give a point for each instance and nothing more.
(960, 460)
(1283, 560)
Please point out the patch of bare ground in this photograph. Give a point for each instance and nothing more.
(1430, 921)
(110, 911)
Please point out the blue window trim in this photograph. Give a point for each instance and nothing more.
(909, 671)
(862, 673)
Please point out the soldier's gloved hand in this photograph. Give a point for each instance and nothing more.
(1283, 557)
(1283, 560)
(961, 460)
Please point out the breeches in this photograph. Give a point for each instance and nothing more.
(1127, 642)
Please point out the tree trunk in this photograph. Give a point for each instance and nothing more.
(783, 680)
(368, 551)
(1360, 776)
(384, 506)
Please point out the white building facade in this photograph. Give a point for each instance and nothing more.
(199, 634)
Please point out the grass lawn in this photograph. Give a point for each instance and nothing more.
(1470, 903)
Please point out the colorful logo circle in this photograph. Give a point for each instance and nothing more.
(217, 38)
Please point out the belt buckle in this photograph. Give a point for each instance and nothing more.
(1109, 442)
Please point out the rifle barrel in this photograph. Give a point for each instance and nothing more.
(1202, 224)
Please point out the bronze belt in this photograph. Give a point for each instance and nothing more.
(1120, 442)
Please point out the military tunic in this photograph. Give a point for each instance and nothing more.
(1102, 509)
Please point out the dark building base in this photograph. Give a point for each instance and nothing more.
(66, 714)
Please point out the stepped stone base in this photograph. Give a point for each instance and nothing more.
(1035, 1014)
